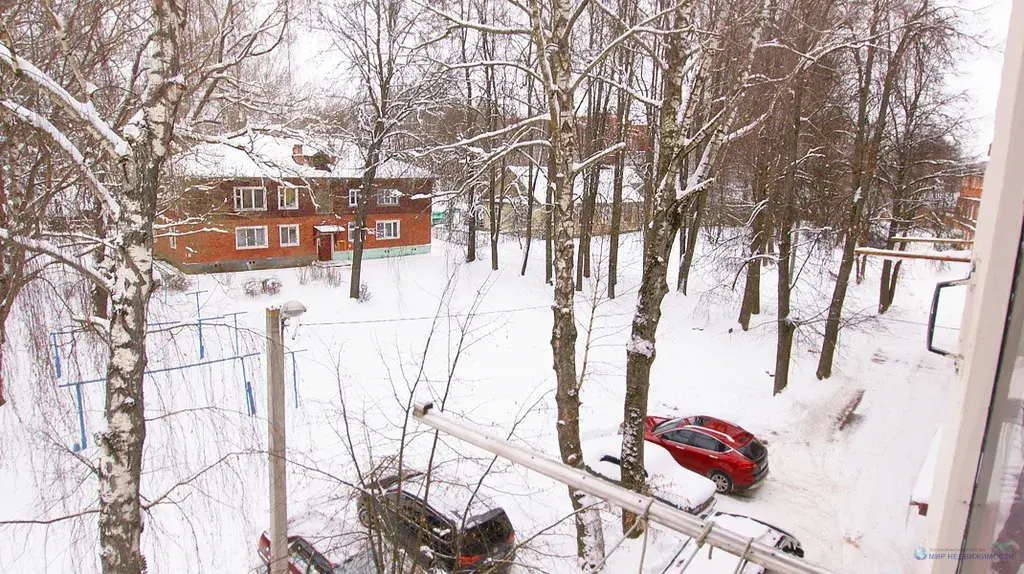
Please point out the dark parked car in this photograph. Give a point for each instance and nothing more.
(456, 530)
(303, 558)
(731, 457)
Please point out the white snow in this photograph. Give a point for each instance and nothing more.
(260, 155)
(640, 347)
(926, 479)
(843, 494)
(666, 478)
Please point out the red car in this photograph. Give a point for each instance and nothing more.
(731, 457)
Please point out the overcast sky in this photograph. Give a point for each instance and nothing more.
(980, 73)
(314, 61)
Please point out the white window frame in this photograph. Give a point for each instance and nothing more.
(389, 195)
(172, 240)
(280, 234)
(352, 232)
(239, 190)
(382, 224)
(353, 197)
(282, 190)
(246, 228)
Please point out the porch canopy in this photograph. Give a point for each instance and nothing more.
(330, 228)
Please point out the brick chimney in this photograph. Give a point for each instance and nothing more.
(297, 156)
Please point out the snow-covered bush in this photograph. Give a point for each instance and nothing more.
(271, 286)
(364, 293)
(177, 282)
(252, 287)
(265, 286)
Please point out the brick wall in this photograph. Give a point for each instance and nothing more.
(216, 242)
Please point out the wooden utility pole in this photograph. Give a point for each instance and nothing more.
(276, 444)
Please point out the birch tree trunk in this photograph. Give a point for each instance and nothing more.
(676, 123)
(558, 75)
(121, 445)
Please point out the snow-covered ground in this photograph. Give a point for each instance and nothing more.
(844, 494)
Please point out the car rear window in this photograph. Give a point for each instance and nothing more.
(494, 529)
(753, 450)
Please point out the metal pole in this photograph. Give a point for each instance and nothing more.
(770, 557)
(199, 323)
(276, 444)
(82, 443)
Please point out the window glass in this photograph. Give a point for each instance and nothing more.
(289, 235)
(250, 237)
(173, 240)
(707, 443)
(387, 229)
(250, 199)
(288, 197)
(387, 196)
(683, 437)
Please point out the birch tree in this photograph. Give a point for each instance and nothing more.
(696, 118)
(118, 145)
(129, 213)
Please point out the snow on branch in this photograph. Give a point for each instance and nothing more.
(628, 34)
(578, 167)
(37, 121)
(47, 248)
(83, 110)
(478, 26)
(480, 137)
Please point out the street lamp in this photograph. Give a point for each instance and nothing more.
(276, 317)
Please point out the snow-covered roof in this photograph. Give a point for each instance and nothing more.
(632, 183)
(262, 155)
(330, 228)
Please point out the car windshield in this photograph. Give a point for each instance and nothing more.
(753, 450)
(665, 424)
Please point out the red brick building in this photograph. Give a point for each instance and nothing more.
(257, 202)
(966, 214)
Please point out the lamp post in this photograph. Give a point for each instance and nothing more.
(276, 318)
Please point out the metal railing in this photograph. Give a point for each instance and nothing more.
(702, 531)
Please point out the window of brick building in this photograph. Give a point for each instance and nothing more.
(251, 237)
(388, 229)
(288, 197)
(289, 235)
(388, 196)
(250, 198)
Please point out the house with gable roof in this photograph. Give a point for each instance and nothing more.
(259, 201)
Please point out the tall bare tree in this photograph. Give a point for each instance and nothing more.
(696, 117)
(384, 42)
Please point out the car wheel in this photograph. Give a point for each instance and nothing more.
(723, 483)
(364, 516)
